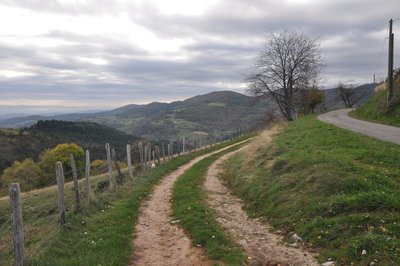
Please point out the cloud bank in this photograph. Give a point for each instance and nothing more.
(100, 54)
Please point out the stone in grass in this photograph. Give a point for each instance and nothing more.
(242, 242)
(363, 252)
(296, 238)
(328, 263)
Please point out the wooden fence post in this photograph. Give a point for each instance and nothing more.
(158, 155)
(129, 160)
(60, 186)
(17, 224)
(163, 151)
(120, 177)
(76, 186)
(110, 168)
(141, 155)
(183, 145)
(145, 158)
(171, 148)
(87, 174)
(149, 155)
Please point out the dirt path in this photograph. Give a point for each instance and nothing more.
(262, 246)
(160, 241)
(341, 119)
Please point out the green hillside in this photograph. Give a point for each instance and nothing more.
(375, 109)
(18, 144)
(215, 113)
(337, 190)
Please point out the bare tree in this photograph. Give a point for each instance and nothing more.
(348, 94)
(287, 65)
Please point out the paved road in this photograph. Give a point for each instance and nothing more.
(340, 118)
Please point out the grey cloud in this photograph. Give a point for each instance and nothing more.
(223, 43)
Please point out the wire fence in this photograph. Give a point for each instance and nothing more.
(40, 209)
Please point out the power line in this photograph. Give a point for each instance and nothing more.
(382, 48)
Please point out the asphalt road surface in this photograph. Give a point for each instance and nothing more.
(340, 118)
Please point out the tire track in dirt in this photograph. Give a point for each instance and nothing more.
(261, 246)
(159, 241)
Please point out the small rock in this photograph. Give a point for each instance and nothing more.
(175, 221)
(296, 238)
(198, 245)
(328, 263)
(372, 263)
(363, 252)
(83, 222)
(242, 242)
(294, 245)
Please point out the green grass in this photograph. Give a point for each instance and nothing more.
(190, 207)
(337, 189)
(374, 111)
(100, 235)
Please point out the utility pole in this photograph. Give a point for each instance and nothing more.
(390, 64)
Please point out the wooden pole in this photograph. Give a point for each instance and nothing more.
(87, 174)
(120, 177)
(60, 187)
(183, 145)
(110, 168)
(158, 154)
(163, 151)
(145, 158)
(141, 155)
(390, 64)
(17, 224)
(171, 143)
(129, 160)
(76, 186)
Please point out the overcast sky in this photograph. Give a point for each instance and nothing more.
(72, 55)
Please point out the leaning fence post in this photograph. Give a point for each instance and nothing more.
(87, 173)
(60, 186)
(129, 160)
(110, 168)
(76, 186)
(17, 224)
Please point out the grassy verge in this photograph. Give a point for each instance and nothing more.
(374, 111)
(100, 235)
(190, 207)
(337, 189)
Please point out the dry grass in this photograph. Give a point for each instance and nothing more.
(251, 151)
(381, 87)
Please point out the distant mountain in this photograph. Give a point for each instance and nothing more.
(18, 144)
(213, 113)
